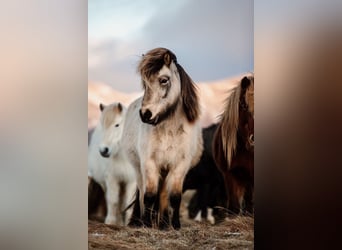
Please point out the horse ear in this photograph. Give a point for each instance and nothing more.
(120, 107)
(101, 106)
(167, 59)
(245, 82)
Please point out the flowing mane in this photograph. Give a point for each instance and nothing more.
(230, 117)
(230, 123)
(233, 146)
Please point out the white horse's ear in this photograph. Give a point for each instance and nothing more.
(167, 59)
(120, 107)
(101, 106)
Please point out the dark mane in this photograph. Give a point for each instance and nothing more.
(230, 117)
(153, 61)
(233, 147)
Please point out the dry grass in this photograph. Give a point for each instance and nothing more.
(237, 233)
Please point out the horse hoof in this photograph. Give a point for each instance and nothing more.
(176, 225)
(163, 226)
(135, 223)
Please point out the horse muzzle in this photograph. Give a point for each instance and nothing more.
(146, 117)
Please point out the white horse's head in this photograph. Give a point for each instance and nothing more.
(166, 86)
(111, 122)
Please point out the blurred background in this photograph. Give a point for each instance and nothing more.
(213, 41)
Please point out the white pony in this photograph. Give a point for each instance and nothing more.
(162, 138)
(108, 167)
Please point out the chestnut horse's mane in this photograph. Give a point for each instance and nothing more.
(229, 121)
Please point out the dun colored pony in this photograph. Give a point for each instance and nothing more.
(208, 181)
(162, 138)
(107, 165)
(233, 146)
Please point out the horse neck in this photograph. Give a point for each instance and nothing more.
(176, 117)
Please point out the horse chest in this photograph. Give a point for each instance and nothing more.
(167, 147)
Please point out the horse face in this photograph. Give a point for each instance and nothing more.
(246, 126)
(246, 129)
(247, 85)
(162, 92)
(250, 133)
(112, 118)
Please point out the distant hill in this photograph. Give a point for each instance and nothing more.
(212, 96)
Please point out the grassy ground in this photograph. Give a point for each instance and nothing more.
(233, 234)
(236, 233)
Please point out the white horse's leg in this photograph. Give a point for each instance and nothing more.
(128, 197)
(138, 208)
(112, 199)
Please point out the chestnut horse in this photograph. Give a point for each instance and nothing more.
(233, 147)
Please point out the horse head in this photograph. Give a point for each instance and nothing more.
(166, 86)
(111, 120)
(246, 112)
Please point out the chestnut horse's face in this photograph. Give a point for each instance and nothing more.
(246, 123)
(246, 130)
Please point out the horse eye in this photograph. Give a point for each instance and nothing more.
(163, 81)
(251, 137)
(117, 125)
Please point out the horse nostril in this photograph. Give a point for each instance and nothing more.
(104, 152)
(146, 116)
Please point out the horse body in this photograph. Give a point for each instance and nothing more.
(208, 181)
(108, 166)
(233, 147)
(163, 137)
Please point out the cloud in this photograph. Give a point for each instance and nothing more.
(212, 40)
(114, 63)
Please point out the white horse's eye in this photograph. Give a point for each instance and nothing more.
(117, 125)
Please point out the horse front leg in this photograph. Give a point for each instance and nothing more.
(135, 220)
(174, 185)
(203, 198)
(136, 217)
(249, 206)
(151, 198)
(235, 194)
(164, 219)
(112, 200)
(193, 207)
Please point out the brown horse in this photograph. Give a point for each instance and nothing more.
(233, 147)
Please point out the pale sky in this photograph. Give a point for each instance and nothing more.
(212, 39)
